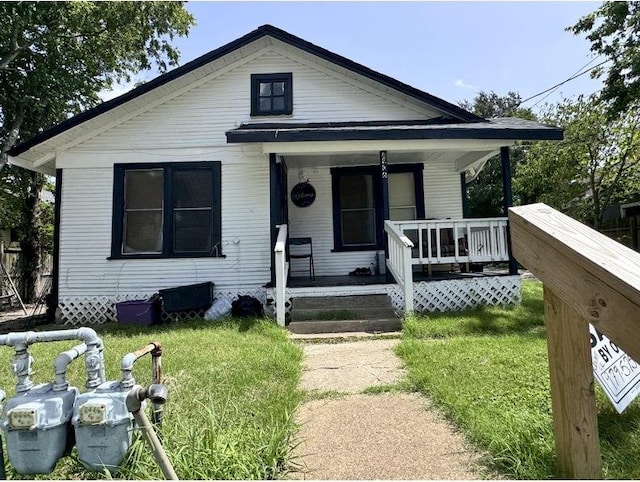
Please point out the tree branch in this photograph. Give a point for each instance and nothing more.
(12, 137)
(14, 49)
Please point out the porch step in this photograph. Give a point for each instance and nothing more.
(336, 314)
(351, 313)
(341, 302)
(342, 326)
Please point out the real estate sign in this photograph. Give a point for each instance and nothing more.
(617, 372)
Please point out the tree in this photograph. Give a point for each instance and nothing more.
(614, 32)
(595, 166)
(57, 58)
(485, 192)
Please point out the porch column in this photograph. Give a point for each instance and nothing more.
(53, 298)
(384, 176)
(465, 198)
(508, 202)
(275, 211)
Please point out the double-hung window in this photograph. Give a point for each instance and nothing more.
(166, 210)
(358, 218)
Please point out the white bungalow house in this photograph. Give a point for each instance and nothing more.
(206, 172)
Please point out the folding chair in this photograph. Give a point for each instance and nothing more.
(302, 248)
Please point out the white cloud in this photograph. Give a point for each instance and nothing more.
(462, 84)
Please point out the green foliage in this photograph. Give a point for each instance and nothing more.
(59, 55)
(56, 58)
(594, 166)
(614, 32)
(485, 192)
(488, 372)
(232, 392)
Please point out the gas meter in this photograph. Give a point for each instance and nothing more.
(103, 426)
(38, 429)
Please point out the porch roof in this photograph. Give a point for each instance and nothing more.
(503, 128)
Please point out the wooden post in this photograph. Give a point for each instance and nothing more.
(587, 278)
(575, 415)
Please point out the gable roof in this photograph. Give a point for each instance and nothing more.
(447, 108)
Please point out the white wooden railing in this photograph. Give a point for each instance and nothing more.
(399, 262)
(444, 241)
(282, 273)
(456, 240)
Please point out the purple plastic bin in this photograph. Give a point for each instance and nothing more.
(138, 312)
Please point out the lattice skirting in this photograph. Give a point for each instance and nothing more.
(83, 310)
(459, 294)
(270, 305)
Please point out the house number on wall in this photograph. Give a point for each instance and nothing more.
(303, 194)
(383, 164)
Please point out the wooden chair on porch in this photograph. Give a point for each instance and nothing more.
(302, 248)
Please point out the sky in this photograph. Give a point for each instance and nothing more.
(451, 50)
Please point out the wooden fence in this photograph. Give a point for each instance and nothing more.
(11, 259)
(587, 278)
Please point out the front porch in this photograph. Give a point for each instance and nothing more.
(428, 275)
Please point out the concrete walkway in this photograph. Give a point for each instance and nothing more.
(383, 436)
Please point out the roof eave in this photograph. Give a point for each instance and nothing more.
(278, 135)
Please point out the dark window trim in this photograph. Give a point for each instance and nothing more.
(214, 167)
(285, 77)
(417, 170)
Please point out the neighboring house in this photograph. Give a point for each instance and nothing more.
(186, 178)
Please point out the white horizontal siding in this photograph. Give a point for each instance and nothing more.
(85, 238)
(442, 199)
(317, 221)
(201, 116)
(442, 191)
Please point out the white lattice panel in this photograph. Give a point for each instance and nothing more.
(270, 304)
(459, 294)
(100, 309)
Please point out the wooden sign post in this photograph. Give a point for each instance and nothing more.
(587, 278)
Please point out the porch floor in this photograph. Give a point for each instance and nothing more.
(326, 281)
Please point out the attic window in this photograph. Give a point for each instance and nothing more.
(271, 94)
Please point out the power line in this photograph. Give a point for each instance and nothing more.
(575, 76)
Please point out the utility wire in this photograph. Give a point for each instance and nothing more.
(575, 76)
(577, 72)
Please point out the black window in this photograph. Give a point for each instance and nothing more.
(357, 203)
(271, 94)
(166, 210)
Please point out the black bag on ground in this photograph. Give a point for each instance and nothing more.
(246, 306)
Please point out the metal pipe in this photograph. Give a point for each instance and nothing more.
(134, 405)
(126, 366)
(61, 363)
(156, 375)
(156, 447)
(22, 360)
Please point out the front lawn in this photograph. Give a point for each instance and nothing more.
(232, 393)
(487, 369)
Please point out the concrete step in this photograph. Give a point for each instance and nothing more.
(341, 302)
(352, 313)
(343, 326)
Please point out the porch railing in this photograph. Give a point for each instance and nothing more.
(399, 262)
(282, 273)
(431, 242)
(441, 241)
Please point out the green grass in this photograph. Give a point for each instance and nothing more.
(487, 369)
(232, 392)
